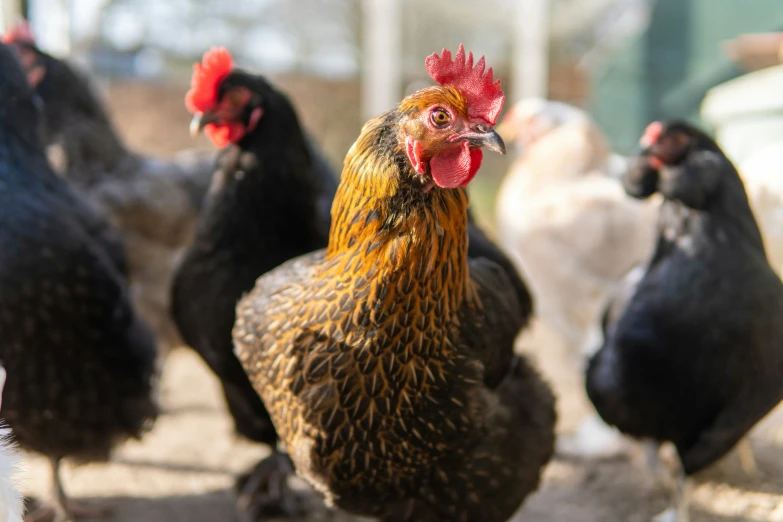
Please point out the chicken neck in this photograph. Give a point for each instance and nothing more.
(408, 242)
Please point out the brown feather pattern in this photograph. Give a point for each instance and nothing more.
(371, 358)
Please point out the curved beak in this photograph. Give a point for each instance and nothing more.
(199, 121)
(489, 139)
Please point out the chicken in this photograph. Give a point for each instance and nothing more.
(690, 354)
(81, 365)
(760, 173)
(755, 144)
(91, 218)
(563, 216)
(386, 360)
(270, 203)
(152, 202)
(10, 499)
(480, 245)
(283, 202)
(565, 219)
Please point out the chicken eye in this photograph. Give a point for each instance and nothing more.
(440, 117)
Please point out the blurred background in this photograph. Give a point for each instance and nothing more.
(627, 62)
(624, 62)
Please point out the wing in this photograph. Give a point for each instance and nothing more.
(103, 233)
(144, 200)
(88, 217)
(192, 170)
(620, 297)
(272, 302)
(479, 245)
(78, 322)
(491, 321)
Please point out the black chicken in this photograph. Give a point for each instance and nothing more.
(270, 202)
(81, 366)
(153, 202)
(90, 216)
(691, 354)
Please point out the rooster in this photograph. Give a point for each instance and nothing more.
(386, 360)
(153, 203)
(81, 365)
(691, 351)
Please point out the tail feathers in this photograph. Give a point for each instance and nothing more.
(11, 506)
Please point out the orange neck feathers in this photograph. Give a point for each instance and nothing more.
(385, 225)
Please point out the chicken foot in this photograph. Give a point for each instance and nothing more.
(678, 511)
(264, 491)
(36, 511)
(593, 439)
(662, 475)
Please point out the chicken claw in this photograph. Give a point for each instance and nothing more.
(678, 512)
(37, 511)
(673, 515)
(593, 439)
(264, 491)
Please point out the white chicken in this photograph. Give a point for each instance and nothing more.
(761, 173)
(10, 499)
(745, 115)
(563, 214)
(565, 219)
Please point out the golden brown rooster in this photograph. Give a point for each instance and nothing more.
(386, 361)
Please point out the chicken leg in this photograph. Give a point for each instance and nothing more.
(661, 473)
(746, 458)
(36, 511)
(66, 509)
(678, 511)
(63, 509)
(264, 491)
(593, 439)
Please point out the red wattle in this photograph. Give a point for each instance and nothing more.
(651, 134)
(476, 155)
(223, 134)
(455, 167)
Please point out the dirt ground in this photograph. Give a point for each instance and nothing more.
(184, 468)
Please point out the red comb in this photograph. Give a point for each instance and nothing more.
(207, 75)
(20, 33)
(651, 134)
(485, 99)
